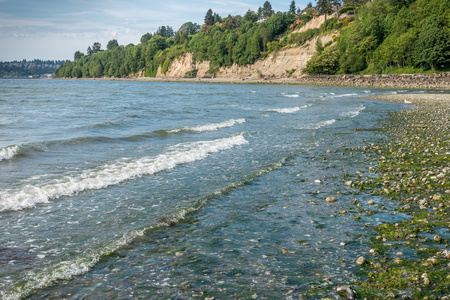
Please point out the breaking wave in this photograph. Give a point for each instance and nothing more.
(209, 127)
(9, 152)
(353, 113)
(115, 173)
(288, 110)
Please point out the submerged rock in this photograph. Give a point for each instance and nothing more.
(330, 199)
(347, 289)
(361, 260)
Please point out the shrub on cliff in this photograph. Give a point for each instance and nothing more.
(325, 62)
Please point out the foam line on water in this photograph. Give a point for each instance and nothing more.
(79, 265)
(345, 95)
(67, 269)
(210, 127)
(114, 173)
(353, 113)
(288, 110)
(318, 125)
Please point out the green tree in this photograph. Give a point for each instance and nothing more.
(96, 47)
(292, 8)
(217, 18)
(209, 18)
(276, 24)
(76, 72)
(267, 10)
(319, 45)
(354, 4)
(326, 62)
(165, 31)
(96, 69)
(77, 55)
(89, 51)
(433, 45)
(189, 28)
(112, 44)
(250, 16)
(324, 6)
(145, 38)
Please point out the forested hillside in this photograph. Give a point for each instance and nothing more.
(390, 36)
(379, 36)
(24, 68)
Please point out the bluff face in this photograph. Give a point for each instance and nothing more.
(288, 62)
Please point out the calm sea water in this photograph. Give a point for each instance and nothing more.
(141, 190)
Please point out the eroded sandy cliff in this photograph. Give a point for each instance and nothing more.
(275, 65)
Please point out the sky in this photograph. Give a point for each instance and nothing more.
(55, 29)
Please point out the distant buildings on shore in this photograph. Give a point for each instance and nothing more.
(29, 69)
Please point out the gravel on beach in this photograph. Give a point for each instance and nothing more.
(410, 259)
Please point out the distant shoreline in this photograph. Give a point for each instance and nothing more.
(409, 81)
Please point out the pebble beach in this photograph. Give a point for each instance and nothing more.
(410, 259)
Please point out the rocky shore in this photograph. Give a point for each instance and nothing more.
(410, 258)
(410, 81)
(413, 81)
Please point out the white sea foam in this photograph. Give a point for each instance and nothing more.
(9, 152)
(318, 125)
(346, 95)
(353, 113)
(69, 268)
(291, 96)
(210, 127)
(288, 110)
(115, 173)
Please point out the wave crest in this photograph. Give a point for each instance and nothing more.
(210, 127)
(115, 173)
(318, 125)
(353, 113)
(9, 152)
(288, 110)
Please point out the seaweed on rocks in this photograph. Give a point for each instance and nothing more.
(410, 259)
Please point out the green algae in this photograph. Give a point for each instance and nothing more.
(412, 170)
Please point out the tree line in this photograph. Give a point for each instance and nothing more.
(25, 68)
(390, 36)
(375, 37)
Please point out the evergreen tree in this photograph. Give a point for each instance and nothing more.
(165, 31)
(209, 18)
(97, 47)
(267, 10)
(250, 16)
(354, 4)
(292, 7)
(324, 6)
(112, 44)
(260, 12)
(145, 38)
(217, 18)
(77, 55)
